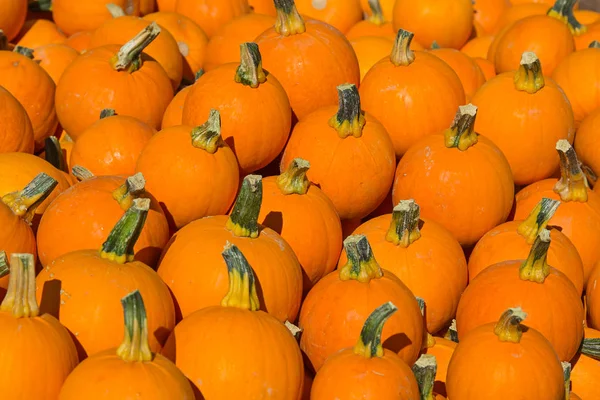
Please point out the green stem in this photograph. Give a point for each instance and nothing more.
(133, 187)
(135, 345)
(361, 265)
(563, 11)
(376, 16)
(81, 173)
(243, 221)
(350, 118)
(53, 153)
(434, 45)
(462, 133)
(208, 135)
(424, 370)
(402, 55)
(404, 227)
(4, 269)
(20, 298)
(24, 51)
(536, 268)
(294, 179)
(23, 203)
(594, 45)
(591, 348)
(288, 22)
(572, 185)
(567, 376)
(452, 333)
(129, 56)
(529, 77)
(538, 219)
(107, 112)
(242, 283)
(369, 343)
(40, 6)
(250, 72)
(119, 245)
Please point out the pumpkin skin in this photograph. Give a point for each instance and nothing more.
(585, 370)
(592, 298)
(586, 17)
(341, 14)
(79, 41)
(426, 86)
(112, 145)
(424, 173)
(12, 17)
(263, 7)
(71, 16)
(487, 67)
(191, 40)
(16, 132)
(34, 89)
(447, 22)
(211, 14)
(91, 84)
(174, 113)
(478, 46)
(370, 50)
(489, 12)
(83, 215)
(55, 58)
(468, 71)
(442, 349)
(298, 60)
(586, 141)
(518, 12)
(166, 5)
(40, 32)
(583, 40)
(224, 46)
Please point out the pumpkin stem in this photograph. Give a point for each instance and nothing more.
(591, 347)
(53, 153)
(434, 45)
(208, 135)
(563, 11)
(24, 51)
(424, 370)
(361, 265)
(4, 269)
(376, 16)
(594, 45)
(538, 219)
(350, 118)
(107, 112)
(250, 72)
(529, 77)
(508, 328)
(119, 245)
(243, 221)
(288, 22)
(23, 203)
(536, 268)
(20, 296)
(369, 343)
(129, 56)
(81, 173)
(572, 185)
(404, 228)
(428, 339)
(402, 55)
(115, 10)
(452, 333)
(294, 179)
(135, 345)
(40, 5)
(127, 192)
(567, 376)
(242, 286)
(294, 330)
(462, 133)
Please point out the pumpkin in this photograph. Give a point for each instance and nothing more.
(191, 40)
(478, 46)
(549, 296)
(526, 139)
(512, 241)
(224, 46)
(367, 369)
(442, 173)
(374, 24)
(489, 12)
(173, 115)
(487, 67)
(16, 132)
(12, 17)
(129, 370)
(166, 5)
(351, 155)
(423, 255)
(255, 111)
(586, 35)
(82, 217)
(586, 141)
(593, 299)
(122, 79)
(579, 213)
(586, 17)
(211, 14)
(57, 152)
(448, 22)
(112, 145)
(442, 349)
(466, 68)
(518, 12)
(83, 288)
(193, 268)
(410, 84)
(40, 32)
(262, 7)
(370, 50)
(191, 171)
(309, 58)
(305, 217)
(163, 49)
(219, 334)
(34, 89)
(505, 360)
(570, 74)
(79, 41)
(72, 16)
(586, 367)
(336, 308)
(34, 339)
(341, 14)
(55, 58)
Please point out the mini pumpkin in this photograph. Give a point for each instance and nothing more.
(55, 58)
(72, 16)
(40, 32)
(517, 12)
(374, 24)
(586, 141)
(466, 68)
(79, 41)
(16, 132)
(12, 17)
(478, 46)
(370, 50)
(489, 12)
(487, 67)
(211, 14)
(341, 14)
(173, 115)
(586, 366)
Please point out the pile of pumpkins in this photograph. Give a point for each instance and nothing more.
(293, 200)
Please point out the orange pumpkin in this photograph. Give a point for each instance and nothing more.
(512, 241)
(586, 35)
(478, 46)
(305, 217)
(12, 17)
(224, 46)
(73, 16)
(166, 5)
(489, 12)
(122, 79)
(579, 213)
(401, 88)
(593, 298)
(475, 167)
(586, 367)
(466, 68)
(55, 58)
(173, 115)
(79, 41)
(192, 265)
(447, 22)
(34, 339)
(370, 50)
(191, 40)
(112, 145)
(586, 141)
(262, 7)
(367, 369)
(341, 14)
(16, 132)
(255, 111)
(518, 12)
(130, 370)
(549, 296)
(487, 67)
(351, 155)
(217, 335)
(374, 25)
(423, 255)
(202, 182)
(442, 349)
(355, 289)
(40, 32)
(309, 58)
(211, 14)
(586, 17)
(509, 361)
(82, 288)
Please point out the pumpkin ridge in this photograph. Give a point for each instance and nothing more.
(250, 72)
(350, 118)
(20, 298)
(404, 226)
(361, 265)
(294, 179)
(424, 370)
(288, 22)
(402, 55)
(243, 220)
(129, 56)
(242, 286)
(118, 247)
(369, 342)
(461, 133)
(572, 185)
(538, 219)
(135, 345)
(208, 135)
(509, 328)
(535, 268)
(24, 202)
(529, 77)
(563, 11)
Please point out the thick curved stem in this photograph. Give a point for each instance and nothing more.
(369, 343)
(134, 186)
(135, 347)
(402, 55)
(536, 268)
(350, 118)
(129, 56)
(361, 265)
(538, 219)
(20, 296)
(591, 347)
(508, 328)
(404, 228)
(81, 173)
(572, 185)
(119, 245)
(461, 134)
(294, 179)
(424, 370)
(23, 203)
(208, 136)
(563, 11)
(288, 22)
(250, 72)
(243, 221)
(529, 77)
(242, 286)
